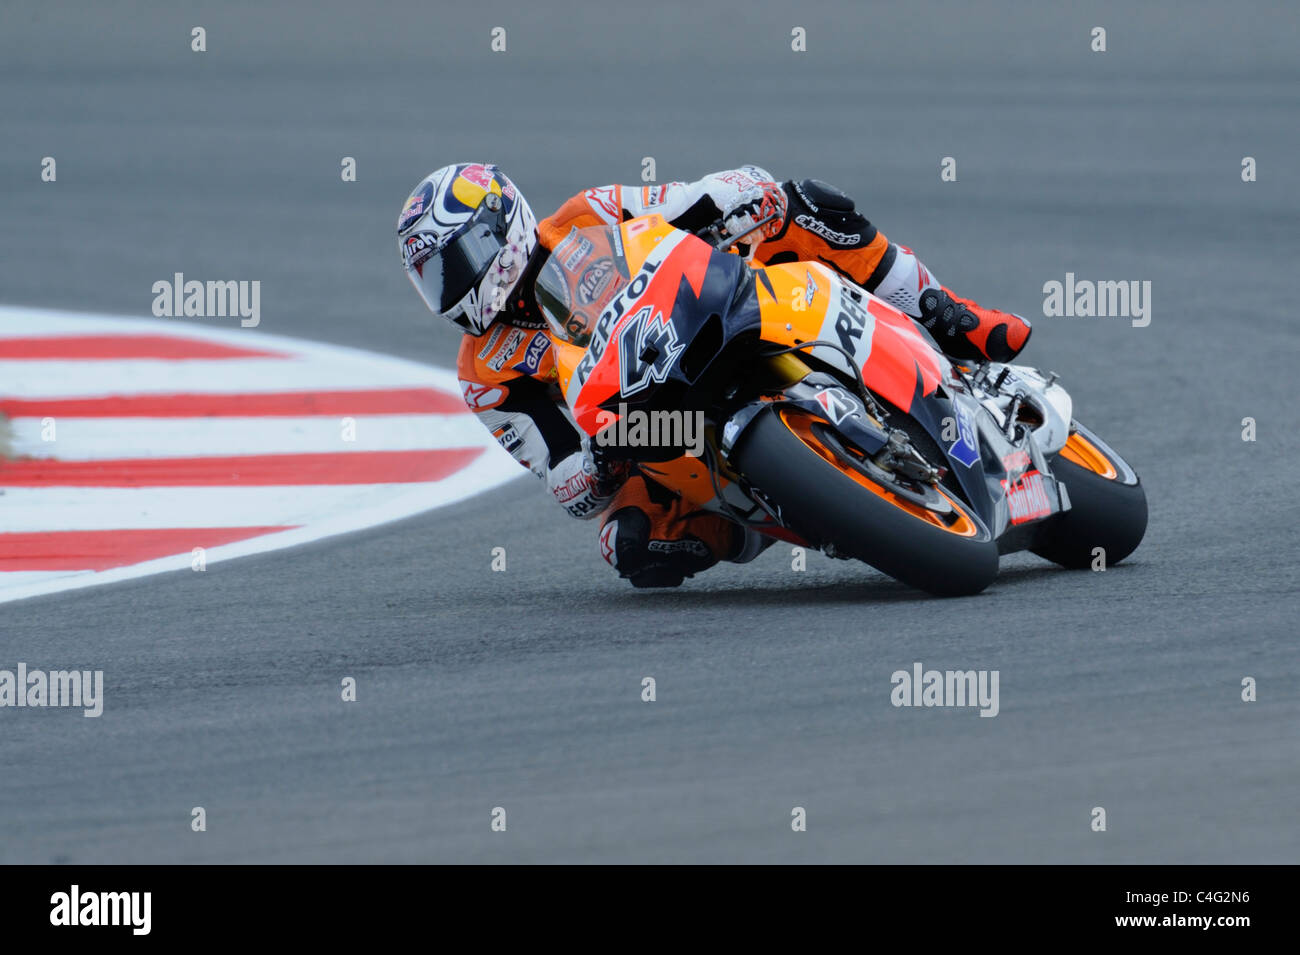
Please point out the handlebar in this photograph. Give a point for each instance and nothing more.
(717, 236)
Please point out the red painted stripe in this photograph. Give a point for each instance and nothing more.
(103, 347)
(277, 404)
(356, 467)
(100, 550)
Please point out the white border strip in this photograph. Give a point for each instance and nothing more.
(492, 469)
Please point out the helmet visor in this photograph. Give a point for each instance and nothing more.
(444, 274)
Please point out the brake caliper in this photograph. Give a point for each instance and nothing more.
(900, 457)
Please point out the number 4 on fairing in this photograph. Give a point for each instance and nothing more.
(648, 348)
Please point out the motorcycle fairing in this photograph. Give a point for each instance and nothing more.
(804, 301)
(678, 288)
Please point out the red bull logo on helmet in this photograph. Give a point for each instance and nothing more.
(415, 206)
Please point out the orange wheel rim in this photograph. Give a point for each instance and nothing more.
(1079, 450)
(800, 426)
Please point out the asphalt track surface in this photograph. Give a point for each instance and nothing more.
(522, 689)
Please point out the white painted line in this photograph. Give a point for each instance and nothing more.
(75, 379)
(85, 439)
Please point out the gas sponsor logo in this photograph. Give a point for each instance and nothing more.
(533, 354)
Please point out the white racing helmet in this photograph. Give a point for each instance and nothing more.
(465, 236)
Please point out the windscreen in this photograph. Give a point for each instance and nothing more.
(582, 275)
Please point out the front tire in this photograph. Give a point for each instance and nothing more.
(826, 499)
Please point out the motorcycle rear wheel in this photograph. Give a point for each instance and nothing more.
(1108, 506)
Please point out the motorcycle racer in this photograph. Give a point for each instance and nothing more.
(472, 248)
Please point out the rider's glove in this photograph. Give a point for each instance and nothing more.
(608, 473)
(753, 205)
(583, 483)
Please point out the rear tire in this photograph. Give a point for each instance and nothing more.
(827, 504)
(1105, 512)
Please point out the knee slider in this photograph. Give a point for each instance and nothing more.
(624, 543)
(623, 540)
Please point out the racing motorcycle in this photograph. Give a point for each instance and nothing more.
(831, 419)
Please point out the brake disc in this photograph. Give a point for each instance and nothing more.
(917, 492)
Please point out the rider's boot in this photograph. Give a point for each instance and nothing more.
(965, 330)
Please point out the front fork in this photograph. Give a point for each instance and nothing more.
(787, 378)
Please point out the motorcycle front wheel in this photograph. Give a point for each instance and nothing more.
(830, 494)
